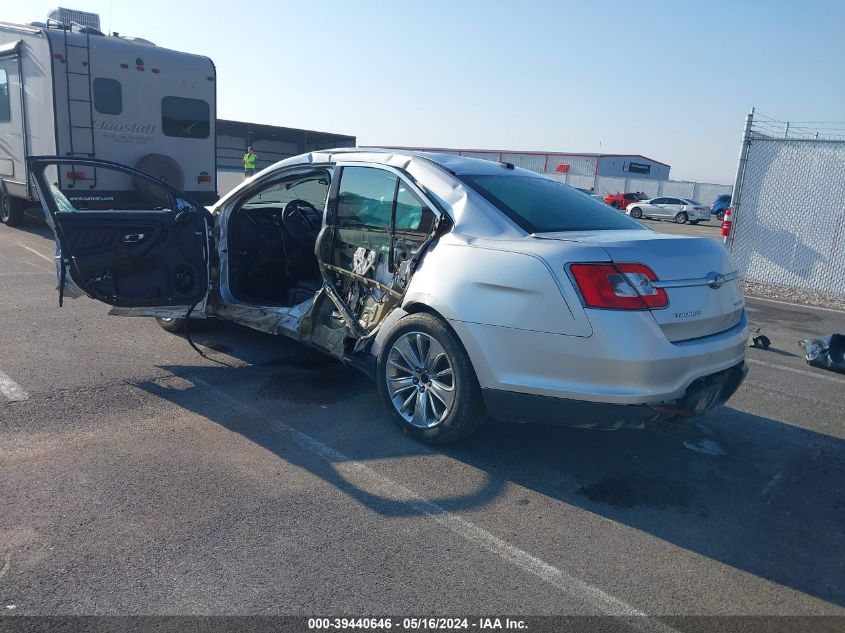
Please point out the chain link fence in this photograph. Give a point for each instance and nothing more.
(789, 205)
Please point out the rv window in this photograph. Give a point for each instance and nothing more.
(185, 118)
(108, 96)
(5, 104)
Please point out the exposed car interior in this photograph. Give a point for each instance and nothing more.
(271, 238)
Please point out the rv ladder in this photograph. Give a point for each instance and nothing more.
(83, 146)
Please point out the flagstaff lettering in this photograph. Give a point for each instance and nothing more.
(126, 132)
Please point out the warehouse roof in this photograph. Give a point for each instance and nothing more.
(536, 153)
(262, 131)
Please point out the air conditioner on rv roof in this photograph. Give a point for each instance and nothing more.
(66, 16)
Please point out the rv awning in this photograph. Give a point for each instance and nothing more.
(10, 49)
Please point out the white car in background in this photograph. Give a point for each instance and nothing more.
(681, 210)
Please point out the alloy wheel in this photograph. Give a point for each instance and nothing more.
(420, 379)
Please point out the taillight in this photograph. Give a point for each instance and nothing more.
(618, 286)
(204, 177)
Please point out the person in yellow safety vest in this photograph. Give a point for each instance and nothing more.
(249, 162)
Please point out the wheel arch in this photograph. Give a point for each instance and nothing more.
(464, 336)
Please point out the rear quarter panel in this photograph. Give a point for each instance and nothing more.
(496, 285)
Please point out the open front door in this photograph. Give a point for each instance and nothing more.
(146, 261)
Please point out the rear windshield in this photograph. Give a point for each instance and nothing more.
(542, 205)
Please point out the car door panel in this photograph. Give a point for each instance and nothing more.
(651, 209)
(674, 208)
(144, 261)
(135, 258)
(375, 234)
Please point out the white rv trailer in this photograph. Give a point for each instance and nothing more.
(67, 89)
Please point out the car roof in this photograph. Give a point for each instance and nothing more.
(457, 165)
(439, 173)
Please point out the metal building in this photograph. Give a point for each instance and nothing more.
(271, 143)
(576, 164)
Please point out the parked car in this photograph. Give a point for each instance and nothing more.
(622, 200)
(589, 192)
(681, 210)
(463, 287)
(720, 204)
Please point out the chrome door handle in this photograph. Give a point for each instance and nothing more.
(133, 238)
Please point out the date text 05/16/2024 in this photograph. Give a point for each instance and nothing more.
(418, 624)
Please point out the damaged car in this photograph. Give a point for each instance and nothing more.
(465, 288)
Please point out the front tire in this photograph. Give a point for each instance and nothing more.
(720, 215)
(636, 213)
(693, 221)
(172, 325)
(681, 218)
(615, 205)
(427, 383)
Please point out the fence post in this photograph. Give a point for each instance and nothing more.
(736, 194)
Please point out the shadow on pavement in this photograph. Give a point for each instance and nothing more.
(34, 224)
(748, 491)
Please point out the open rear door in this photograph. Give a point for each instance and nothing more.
(149, 260)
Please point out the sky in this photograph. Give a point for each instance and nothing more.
(669, 80)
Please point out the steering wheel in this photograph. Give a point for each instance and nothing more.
(300, 220)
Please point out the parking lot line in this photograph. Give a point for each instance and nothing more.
(462, 527)
(803, 372)
(35, 252)
(11, 389)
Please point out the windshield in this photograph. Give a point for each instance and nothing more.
(313, 189)
(541, 205)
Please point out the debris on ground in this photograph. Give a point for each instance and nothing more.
(827, 352)
(761, 341)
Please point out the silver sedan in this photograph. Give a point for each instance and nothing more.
(681, 210)
(465, 288)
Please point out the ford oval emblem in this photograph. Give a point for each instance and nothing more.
(715, 280)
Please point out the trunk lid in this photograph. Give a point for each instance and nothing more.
(697, 274)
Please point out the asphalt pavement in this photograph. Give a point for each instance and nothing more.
(141, 478)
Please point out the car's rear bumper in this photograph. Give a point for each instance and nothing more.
(701, 396)
(625, 362)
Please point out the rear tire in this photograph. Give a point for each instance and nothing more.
(636, 213)
(174, 325)
(161, 167)
(427, 383)
(11, 209)
(720, 215)
(693, 221)
(681, 218)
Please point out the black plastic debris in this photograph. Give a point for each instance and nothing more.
(827, 352)
(761, 341)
